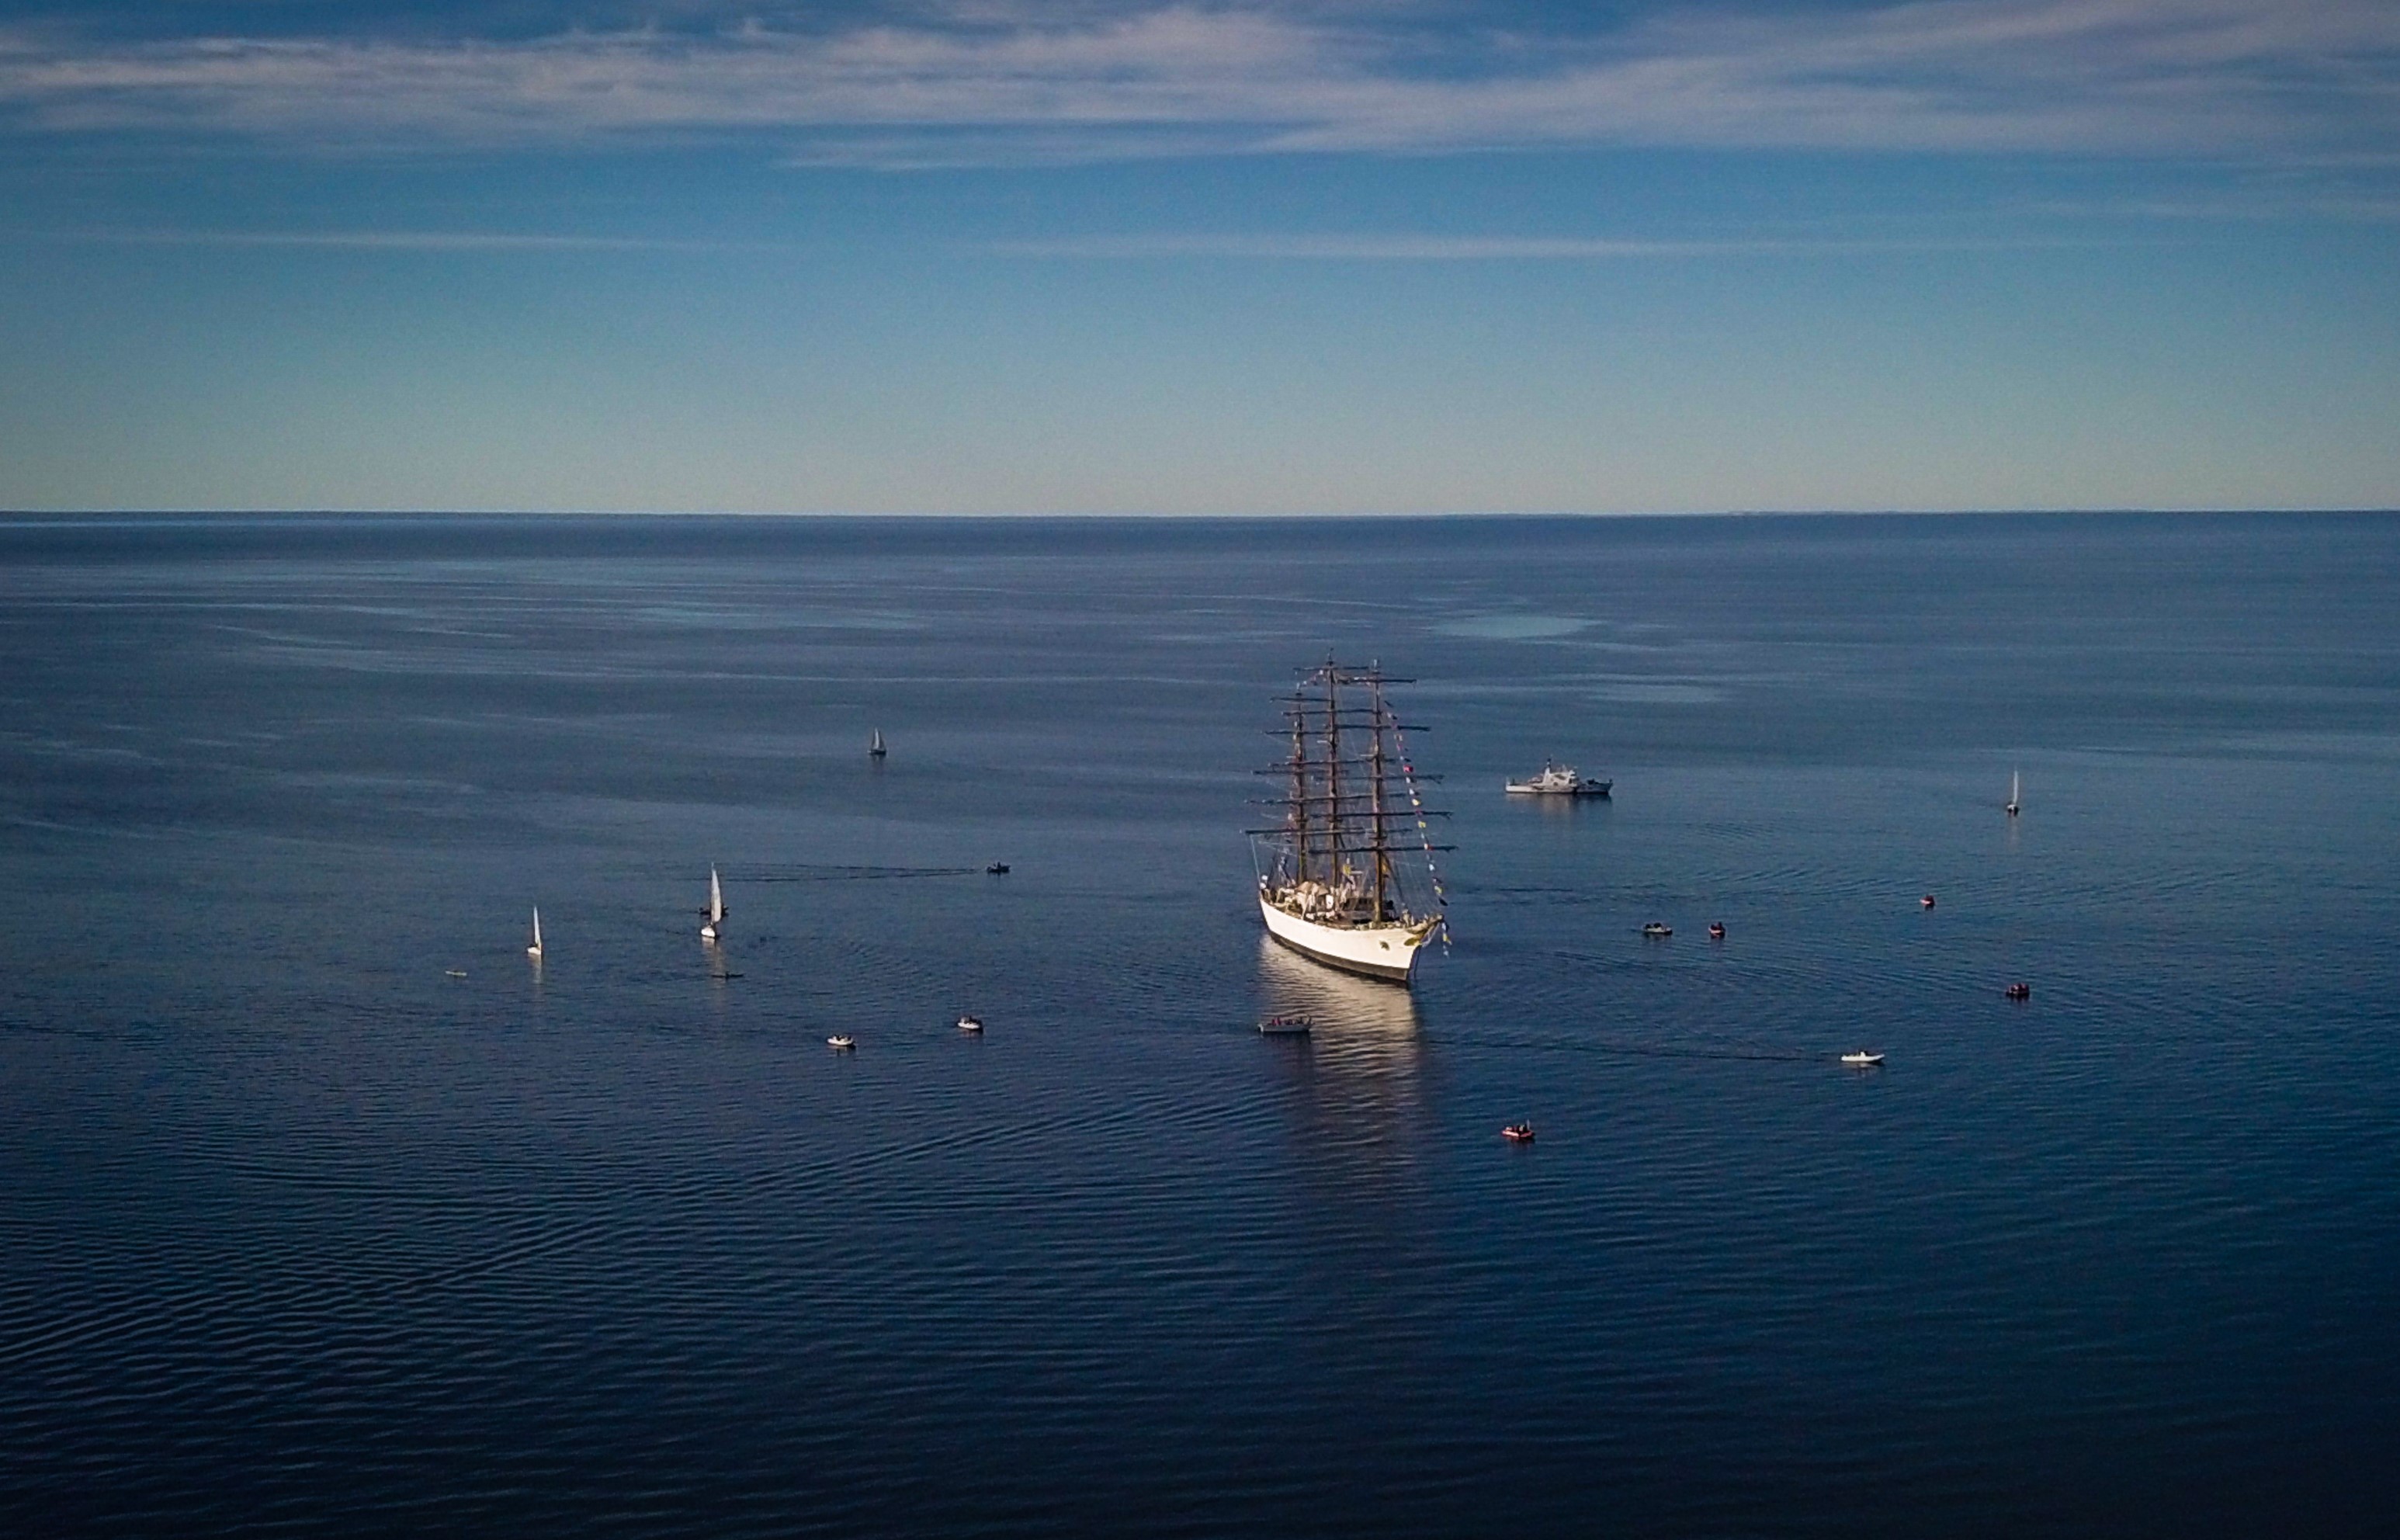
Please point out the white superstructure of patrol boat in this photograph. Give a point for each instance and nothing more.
(1557, 780)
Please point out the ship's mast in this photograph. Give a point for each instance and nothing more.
(1380, 844)
(1333, 869)
(1300, 786)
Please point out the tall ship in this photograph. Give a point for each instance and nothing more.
(1348, 877)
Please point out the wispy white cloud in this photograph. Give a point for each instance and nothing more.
(395, 240)
(2150, 76)
(1301, 247)
(1390, 246)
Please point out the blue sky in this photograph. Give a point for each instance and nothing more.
(1334, 257)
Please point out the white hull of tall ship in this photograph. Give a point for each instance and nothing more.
(1382, 951)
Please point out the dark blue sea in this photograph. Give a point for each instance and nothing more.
(300, 1233)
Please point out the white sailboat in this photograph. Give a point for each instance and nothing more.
(1337, 886)
(716, 907)
(2013, 793)
(534, 951)
(875, 744)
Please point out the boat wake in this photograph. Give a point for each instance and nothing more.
(839, 874)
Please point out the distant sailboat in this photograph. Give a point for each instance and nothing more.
(2013, 793)
(716, 907)
(534, 951)
(875, 744)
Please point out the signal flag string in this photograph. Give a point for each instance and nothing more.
(1424, 834)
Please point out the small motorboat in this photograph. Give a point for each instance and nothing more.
(1286, 1026)
(1862, 1060)
(970, 1024)
(454, 973)
(842, 1044)
(1716, 931)
(2019, 991)
(1518, 1132)
(1927, 902)
(1654, 930)
(998, 868)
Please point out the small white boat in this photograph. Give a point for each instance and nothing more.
(1862, 1060)
(716, 907)
(1654, 930)
(1518, 1132)
(1557, 780)
(875, 744)
(970, 1024)
(535, 951)
(454, 973)
(1286, 1026)
(842, 1044)
(2013, 803)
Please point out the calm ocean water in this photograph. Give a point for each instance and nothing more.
(299, 1233)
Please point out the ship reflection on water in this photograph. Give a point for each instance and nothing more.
(1360, 1061)
(1557, 808)
(1358, 1026)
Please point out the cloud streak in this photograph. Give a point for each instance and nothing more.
(398, 241)
(1402, 247)
(2201, 77)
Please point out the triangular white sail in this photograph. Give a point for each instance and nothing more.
(716, 907)
(2013, 800)
(535, 951)
(875, 743)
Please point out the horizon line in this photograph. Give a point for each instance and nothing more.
(32, 516)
